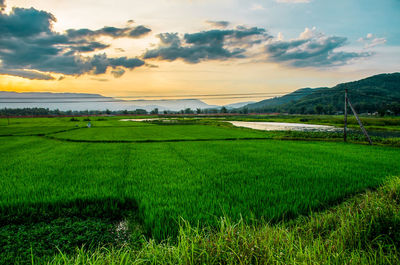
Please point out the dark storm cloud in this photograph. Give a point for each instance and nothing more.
(206, 45)
(315, 51)
(28, 44)
(218, 24)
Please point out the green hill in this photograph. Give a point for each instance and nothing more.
(379, 93)
(278, 101)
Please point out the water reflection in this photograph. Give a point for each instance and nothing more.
(282, 126)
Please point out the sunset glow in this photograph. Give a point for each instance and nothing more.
(220, 47)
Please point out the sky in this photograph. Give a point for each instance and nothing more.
(179, 48)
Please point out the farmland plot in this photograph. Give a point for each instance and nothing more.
(89, 187)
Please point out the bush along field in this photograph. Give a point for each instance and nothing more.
(125, 190)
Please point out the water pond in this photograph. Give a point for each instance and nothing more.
(282, 126)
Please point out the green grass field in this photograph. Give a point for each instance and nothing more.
(54, 191)
(158, 133)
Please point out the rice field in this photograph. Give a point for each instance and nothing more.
(91, 186)
(158, 133)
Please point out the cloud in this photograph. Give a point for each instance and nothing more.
(89, 47)
(218, 24)
(311, 49)
(26, 74)
(376, 42)
(310, 33)
(256, 7)
(293, 1)
(206, 45)
(2, 5)
(30, 48)
(149, 65)
(128, 32)
(100, 79)
(139, 31)
(25, 23)
(118, 72)
(371, 41)
(29, 44)
(126, 62)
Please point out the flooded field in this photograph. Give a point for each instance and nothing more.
(285, 126)
(266, 126)
(282, 126)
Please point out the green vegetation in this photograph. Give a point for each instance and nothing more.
(158, 133)
(353, 137)
(58, 194)
(362, 230)
(379, 93)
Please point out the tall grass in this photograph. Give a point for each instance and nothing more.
(362, 230)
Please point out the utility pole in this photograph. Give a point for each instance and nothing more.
(345, 116)
(347, 102)
(360, 123)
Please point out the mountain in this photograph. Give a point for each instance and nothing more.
(277, 101)
(238, 105)
(379, 93)
(80, 102)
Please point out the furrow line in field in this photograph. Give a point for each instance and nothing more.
(41, 134)
(153, 140)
